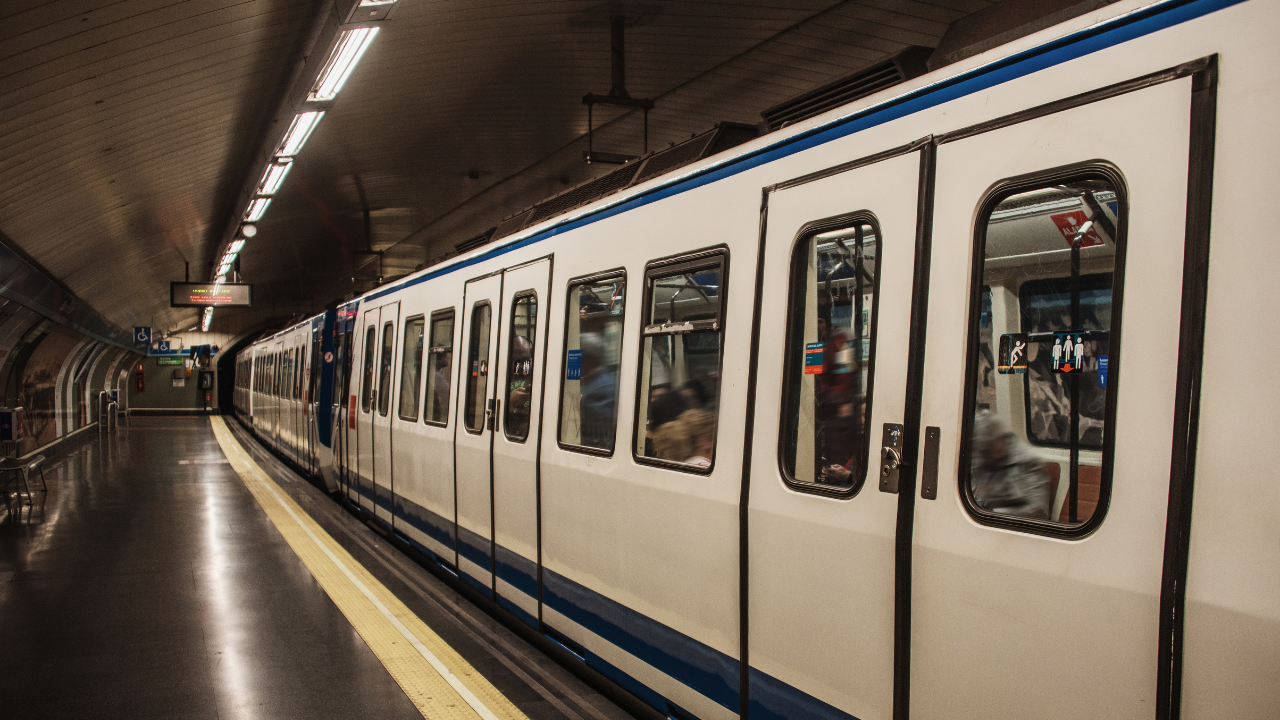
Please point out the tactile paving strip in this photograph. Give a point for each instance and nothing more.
(439, 682)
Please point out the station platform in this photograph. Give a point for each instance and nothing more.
(175, 569)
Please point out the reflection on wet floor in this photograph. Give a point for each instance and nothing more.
(147, 582)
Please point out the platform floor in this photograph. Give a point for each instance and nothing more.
(148, 582)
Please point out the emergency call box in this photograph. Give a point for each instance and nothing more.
(10, 424)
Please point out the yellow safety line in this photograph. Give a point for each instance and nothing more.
(437, 680)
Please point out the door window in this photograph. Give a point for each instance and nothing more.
(593, 346)
(384, 375)
(440, 368)
(680, 364)
(1043, 361)
(477, 367)
(366, 385)
(830, 346)
(519, 401)
(411, 368)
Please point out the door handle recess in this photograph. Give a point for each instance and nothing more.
(890, 457)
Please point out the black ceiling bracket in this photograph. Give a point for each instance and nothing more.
(618, 96)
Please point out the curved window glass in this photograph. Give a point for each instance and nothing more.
(830, 346)
(593, 347)
(1042, 356)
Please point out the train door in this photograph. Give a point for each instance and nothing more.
(822, 526)
(277, 402)
(1036, 571)
(384, 490)
(473, 435)
(515, 450)
(366, 335)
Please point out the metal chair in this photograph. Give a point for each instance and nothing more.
(22, 467)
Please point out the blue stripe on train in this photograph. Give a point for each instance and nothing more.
(692, 663)
(1087, 41)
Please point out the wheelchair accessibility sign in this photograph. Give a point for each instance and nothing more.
(142, 335)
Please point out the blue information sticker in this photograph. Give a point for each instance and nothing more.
(813, 358)
(1102, 370)
(573, 365)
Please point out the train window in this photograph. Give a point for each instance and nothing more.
(411, 368)
(1042, 361)
(366, 385)
(830, 354)
(680, 366)
(523, 340)
(593, 345)
(298, 373)
(440, 368)
(477, 367)
(384, 376)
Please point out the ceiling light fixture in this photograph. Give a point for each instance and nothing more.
(257, 209)
(208, 320)
(236, 247)
(248, 230)
(346, 53)
(274, 176)
(299, 130)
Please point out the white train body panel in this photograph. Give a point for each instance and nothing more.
(637, 566)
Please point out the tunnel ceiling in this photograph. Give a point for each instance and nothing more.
(131, 127)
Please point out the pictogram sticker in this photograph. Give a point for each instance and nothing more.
(1068, 353)
(1013, 354)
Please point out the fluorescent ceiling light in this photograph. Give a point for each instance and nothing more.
(225, 267)
(257, 209)
(236, 247)
(299, 130)
(346, 53)
(375, 3)
(228, 258)
(208, 319)
(273, 178)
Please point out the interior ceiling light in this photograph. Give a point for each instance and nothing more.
(299, 130)
(274, 176)
(346, 53)
(236, 247)
(257, 209)
(225, 267)
(208, 319)
(248, 230)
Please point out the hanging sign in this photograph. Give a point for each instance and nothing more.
(1013, 354)
(1102, 370)
(1068, 353)
(189, 294)
(1069, 224)
(813, 358)
(141, 335)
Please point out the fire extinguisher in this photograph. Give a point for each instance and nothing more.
(139, 380)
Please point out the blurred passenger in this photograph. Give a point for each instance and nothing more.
(694, 395)
(444, 363)
(1007, 476)
(519, 394)
(599, 389)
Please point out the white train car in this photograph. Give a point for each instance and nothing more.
(837, 424)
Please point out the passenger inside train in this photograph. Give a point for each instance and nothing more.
(593, 346)
(1040, 374)
(681, 364)
(826, 439)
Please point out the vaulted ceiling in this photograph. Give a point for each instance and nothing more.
(132, 128)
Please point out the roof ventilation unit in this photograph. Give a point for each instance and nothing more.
(897, 68)
(720, 138)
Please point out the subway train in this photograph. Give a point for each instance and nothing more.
(950, 402)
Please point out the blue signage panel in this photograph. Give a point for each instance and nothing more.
(573, 365)
(141, 335)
